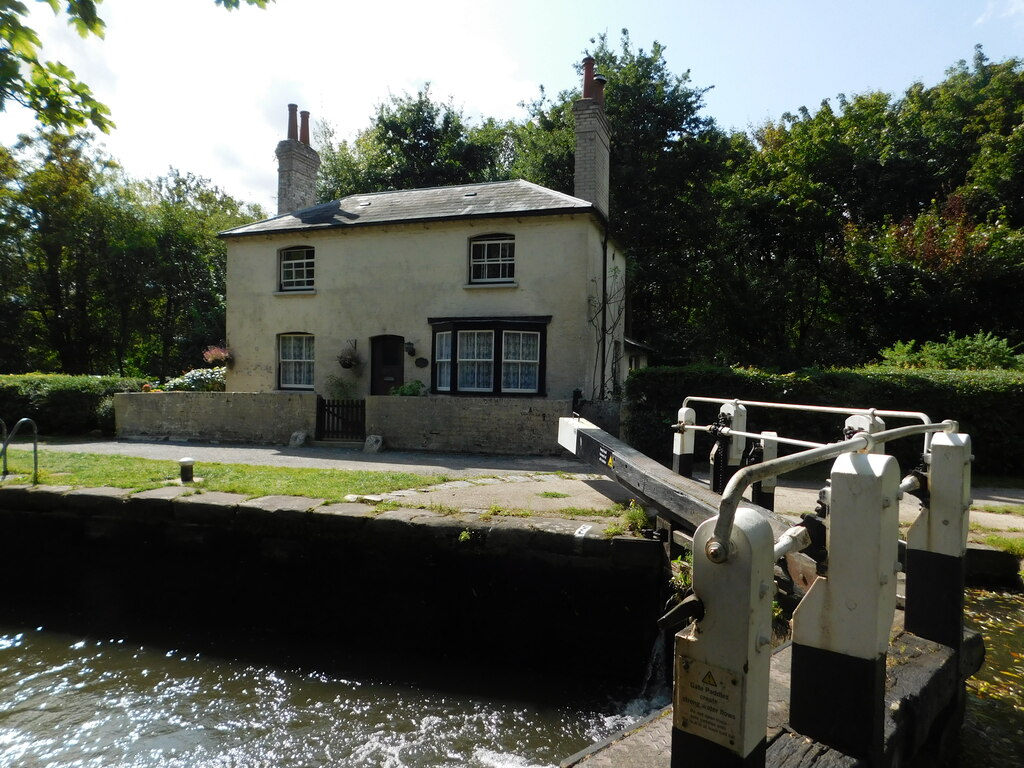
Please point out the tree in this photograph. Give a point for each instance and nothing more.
(49, 88)
(665, 156)
(55, 209)
(186, 280)
(411, 142)
(102, 274)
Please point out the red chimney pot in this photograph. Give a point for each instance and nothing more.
(588, 77)
(304, 127)
(293, 127)
(599, 81)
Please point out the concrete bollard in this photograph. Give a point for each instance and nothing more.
(682, 443)
(841, 627)
(937, 544)
(187, 465)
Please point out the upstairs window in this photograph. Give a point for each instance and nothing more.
(295, 360)
(297, 269)
(492, 259)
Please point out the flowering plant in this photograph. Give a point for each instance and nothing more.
(198, 380)
(217, 353)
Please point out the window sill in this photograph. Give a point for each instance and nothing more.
(478, 286)
(501, 395)
(304, 292)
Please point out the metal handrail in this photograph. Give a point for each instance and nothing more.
(717, 548)
(881, 413)
(729, 431)
(35, 448)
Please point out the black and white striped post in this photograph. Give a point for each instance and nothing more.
(763, 493)
(937, 543)
(841, 627)
(682, 442)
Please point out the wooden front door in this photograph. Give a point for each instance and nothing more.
(387, 369)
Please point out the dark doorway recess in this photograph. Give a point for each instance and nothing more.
(387, 367)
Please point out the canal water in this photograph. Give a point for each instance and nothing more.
(993, 733)
(73, 702)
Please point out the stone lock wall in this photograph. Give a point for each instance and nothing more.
(495, 425)
(467, 424)
(503, 595)
(251, 417)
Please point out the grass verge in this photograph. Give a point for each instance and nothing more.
(1015, 546)
(94, 470)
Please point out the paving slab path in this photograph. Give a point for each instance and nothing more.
(479, 482)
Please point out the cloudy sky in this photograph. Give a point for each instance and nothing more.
(203, 90)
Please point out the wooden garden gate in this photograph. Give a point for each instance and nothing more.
(340, 419)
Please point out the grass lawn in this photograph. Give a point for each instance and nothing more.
(93, 470)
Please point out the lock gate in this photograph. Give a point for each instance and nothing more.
(839, 693)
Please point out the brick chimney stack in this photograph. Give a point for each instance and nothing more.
(297, 165)
(592, 141)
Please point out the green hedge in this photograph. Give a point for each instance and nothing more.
(989, 405)
(62, 405)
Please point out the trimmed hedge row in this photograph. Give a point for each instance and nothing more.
(63, 405)
(989, 405)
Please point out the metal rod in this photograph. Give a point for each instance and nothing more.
(819, 409)
(795, 539)
(727, 431)
(718, 544)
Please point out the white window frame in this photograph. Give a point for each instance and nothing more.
(492, 259)
(443, 360)
(476, 363)
(296, 367)
(297, 268)
(520, 363)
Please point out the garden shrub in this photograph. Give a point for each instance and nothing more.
(197, 380)
(989, 405)
(982, 351)
(412, 388)
(61, 404)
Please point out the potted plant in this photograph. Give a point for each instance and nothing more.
(349, 357)
(217, 354)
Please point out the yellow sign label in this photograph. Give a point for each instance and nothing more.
(709, 703)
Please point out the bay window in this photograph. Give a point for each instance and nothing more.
(490, 355)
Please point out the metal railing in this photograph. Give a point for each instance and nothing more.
(718, 550)
(35, 447)
(869, 412)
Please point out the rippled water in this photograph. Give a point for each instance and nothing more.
(87, 703)
(993, 733)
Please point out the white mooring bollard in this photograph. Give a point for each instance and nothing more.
(722, 660)
(682, 443)
(841, 627)
(937, 543)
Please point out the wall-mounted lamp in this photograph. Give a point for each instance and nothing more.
(410, 349)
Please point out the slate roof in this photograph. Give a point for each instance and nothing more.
(500, 198)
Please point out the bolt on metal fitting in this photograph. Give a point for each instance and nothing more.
(716, 551)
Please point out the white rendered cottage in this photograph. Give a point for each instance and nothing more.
(504, 299)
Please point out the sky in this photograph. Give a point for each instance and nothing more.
(203, 90)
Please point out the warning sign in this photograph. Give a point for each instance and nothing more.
(709, 702)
